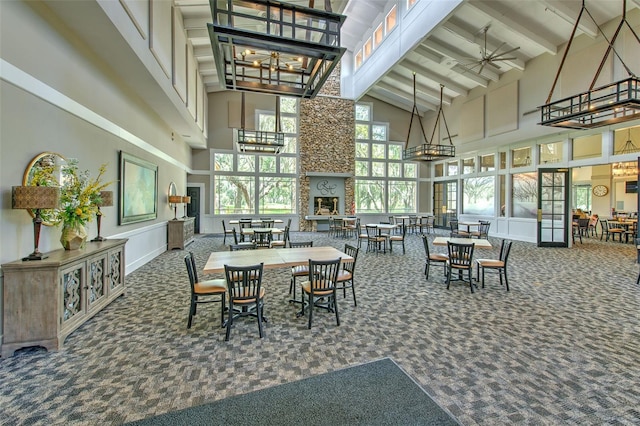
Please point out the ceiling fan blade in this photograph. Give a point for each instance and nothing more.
(506, 52)
(497, 48)
(513, 58)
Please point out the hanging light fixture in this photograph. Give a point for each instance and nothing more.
(626, 168)
(613, 103)
(274, 47)
(258, 140)
(429, 151)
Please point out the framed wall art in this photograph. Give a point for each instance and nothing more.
(138, 200)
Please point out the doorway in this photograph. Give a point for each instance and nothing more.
(445, 202)
(553, 208)
(193, 208)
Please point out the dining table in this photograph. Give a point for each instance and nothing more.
(272, 258)
(477, 242)
(236, 222)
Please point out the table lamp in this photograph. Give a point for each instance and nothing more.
(36, 198)
(186, 200)
(175, 200)
(106, 200)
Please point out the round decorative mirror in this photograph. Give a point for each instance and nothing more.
(173, 190)
(45, 169)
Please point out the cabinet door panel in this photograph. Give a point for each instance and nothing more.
(116, 271)
(72, 280)
(97, 290)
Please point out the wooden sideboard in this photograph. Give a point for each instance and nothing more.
(46, 300)
(180, 233)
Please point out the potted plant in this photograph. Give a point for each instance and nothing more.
(79, 199)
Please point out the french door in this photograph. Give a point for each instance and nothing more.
(554, 224)
(445, 202)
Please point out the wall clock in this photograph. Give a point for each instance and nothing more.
(600, 190)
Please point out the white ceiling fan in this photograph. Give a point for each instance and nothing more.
(489, 58)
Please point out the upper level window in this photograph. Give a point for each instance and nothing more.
(550, 152)
(368, 48)
(487, 163)
(391, 19)
(378, 35)
(410, 3)
(521, 157)
(358, 59)
(363, 112)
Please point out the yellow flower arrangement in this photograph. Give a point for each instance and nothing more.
(79, 195)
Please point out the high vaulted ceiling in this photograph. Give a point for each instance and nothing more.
(450, 54)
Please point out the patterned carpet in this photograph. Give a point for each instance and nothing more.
(562, 347)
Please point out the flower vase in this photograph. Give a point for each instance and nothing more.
(73, 237)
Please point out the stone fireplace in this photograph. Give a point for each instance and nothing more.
(327, 153)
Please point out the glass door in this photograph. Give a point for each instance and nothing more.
(445, 202)
(554, 222)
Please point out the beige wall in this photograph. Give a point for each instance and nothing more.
(65, 99)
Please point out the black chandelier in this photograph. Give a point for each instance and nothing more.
(612, 103)
(274, 47)
(429, 151)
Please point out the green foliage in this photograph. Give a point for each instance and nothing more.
(79, 195)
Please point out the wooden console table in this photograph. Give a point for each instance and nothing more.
(46, 300)
(180, 232)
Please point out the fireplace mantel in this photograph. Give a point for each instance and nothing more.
(329, 174)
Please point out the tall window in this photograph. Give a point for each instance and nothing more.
(479, 196)
(582, 197)
(524, 195)
(253, 184)
(384, 183)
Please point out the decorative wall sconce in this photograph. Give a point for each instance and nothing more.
(106, 200)
(186, 200)
(36, 198)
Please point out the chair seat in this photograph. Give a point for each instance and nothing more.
(252, 300)
(344, 275)
(300, 270)
(396, 237)
(438, 257)
(210, 287)
(306, 287)
(278, 243)
(490, 263)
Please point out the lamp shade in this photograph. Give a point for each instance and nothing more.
(175, 199)
(35, 197)
(186, 199)
(107, 199)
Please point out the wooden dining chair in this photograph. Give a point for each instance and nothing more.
(246, 245)
(246, 294)
(320, 288)
(226, 232)
(499, 265)
(244, 224)
(375, 241)
(346, 273)
(398, 238)
(433, 258)
(460, 260)
(298, 271)
(281, 242)
(262, 238)
(209, 291)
